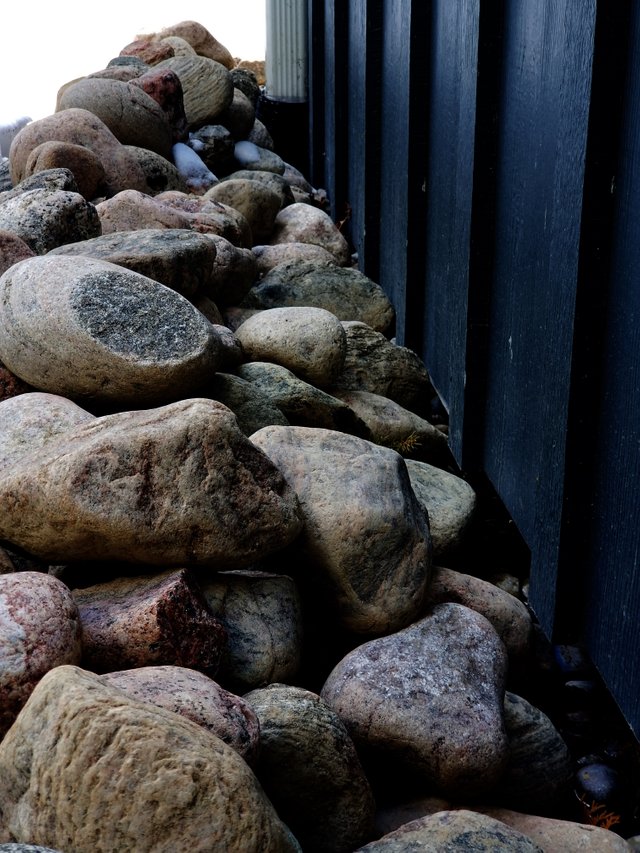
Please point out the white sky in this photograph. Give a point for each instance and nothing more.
(44, 46)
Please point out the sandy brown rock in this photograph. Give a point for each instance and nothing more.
(308, 341)
(134, 210)
(178, 257)
(453, 830)
(262, 615)
(310, 770)
(89, 329)
(113, 489)
(196, 697)
(149, 620)
(302, 223)
(200, 40)
(149, 49)
(271, 180)
(347, 293)
(391, 424)
(86, 767)
(39, 630)
(210, 216)
(429, 698)
(365, 542)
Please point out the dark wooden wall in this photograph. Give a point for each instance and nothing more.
(489, 153)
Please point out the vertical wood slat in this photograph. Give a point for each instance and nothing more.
(363, 134)
(610, 579)
(453, 75)
(545, 106)
(404, 109)
(334, 46)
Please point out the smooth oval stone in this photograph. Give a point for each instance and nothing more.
(430, 699)
(347, 293)
(268, 257)
(86, 328)
(83, 163)
(302, 223)
(130, 113)
(207, 87)
(308, 341)
(256, 201)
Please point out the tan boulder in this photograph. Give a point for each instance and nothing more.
(256, 201)
(207, 87)
(111, 489)
(302, 223)
(82, 162)
(200, 40)
(86, 767)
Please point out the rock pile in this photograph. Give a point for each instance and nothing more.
(228, 616)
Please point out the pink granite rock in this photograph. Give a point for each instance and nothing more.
(198, 698)
(12, 250)
(39, 630)
(149, 620)
(164, 86)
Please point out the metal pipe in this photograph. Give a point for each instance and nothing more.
(286, 51)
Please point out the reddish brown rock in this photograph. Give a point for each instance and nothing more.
(12, 250)
(149, 620)
(165, 88)
(198, 698)
(200, 40)
(149, 49)
(39, 630)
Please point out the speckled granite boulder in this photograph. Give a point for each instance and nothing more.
(44, 219)
(149, 620)
(111, 489)
(429, 699)
(178, 258)
(86, 767)
(458, 830)
(308, 341)
(365, 541)
(86, 328)
(310, 770)
(262, 615)
(39, 630)
(196, 697)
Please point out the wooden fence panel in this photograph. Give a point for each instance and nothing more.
(543, 119)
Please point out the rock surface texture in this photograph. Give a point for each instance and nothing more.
(247, 602)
